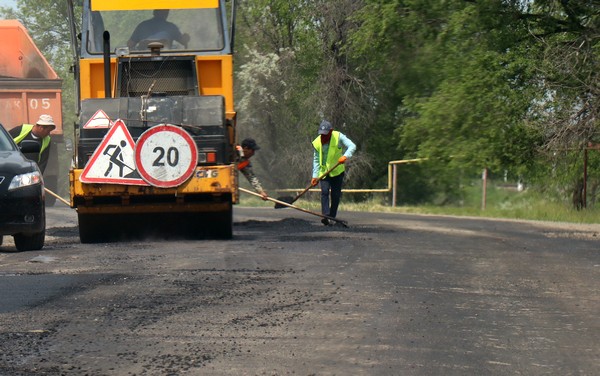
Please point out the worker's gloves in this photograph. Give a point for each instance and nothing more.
(314, 181)
(342, 159)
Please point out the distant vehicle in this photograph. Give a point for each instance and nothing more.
(29, 87)
(22, 198)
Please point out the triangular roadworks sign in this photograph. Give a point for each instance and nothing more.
(113, 161)
(99, 120)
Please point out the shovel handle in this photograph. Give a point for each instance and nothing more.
(344, 223)
(57, 197)
(320, 178)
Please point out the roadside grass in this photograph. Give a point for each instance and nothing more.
(501, 202)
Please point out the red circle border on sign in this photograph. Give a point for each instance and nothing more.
(166, 128)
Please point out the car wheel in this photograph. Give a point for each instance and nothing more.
(30, 242)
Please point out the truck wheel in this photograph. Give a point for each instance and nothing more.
(223, 224)
(90, 228)
(30, 242)
(202, 226)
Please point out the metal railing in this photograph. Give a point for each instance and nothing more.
(392, 185)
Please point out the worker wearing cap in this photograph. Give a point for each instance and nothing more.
(247, 150)
(39, 132)
(330, 148)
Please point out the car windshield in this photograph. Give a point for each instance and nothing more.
(5, 144)
(177, 29)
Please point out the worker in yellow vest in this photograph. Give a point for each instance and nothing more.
(39, 132)
(330, 148)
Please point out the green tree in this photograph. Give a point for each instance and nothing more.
(499, 84)
(270, 86)
(486, 83)
(294, 70)
(45, 22)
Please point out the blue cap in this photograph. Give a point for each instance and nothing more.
(325, 127)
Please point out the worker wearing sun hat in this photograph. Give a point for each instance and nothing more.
(39, 132)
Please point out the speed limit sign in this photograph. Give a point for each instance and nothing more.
(166, 156)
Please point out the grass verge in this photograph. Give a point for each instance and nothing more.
(500, 203)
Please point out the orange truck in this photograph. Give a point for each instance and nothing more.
(155, 149)
(29, 87)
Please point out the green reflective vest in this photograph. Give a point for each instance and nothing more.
(333, 155)
(25, 130)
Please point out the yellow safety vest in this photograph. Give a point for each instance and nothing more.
(333, 155)
(25, 130)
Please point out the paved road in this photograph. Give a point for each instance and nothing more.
(390, 295)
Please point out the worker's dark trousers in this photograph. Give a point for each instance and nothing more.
(333, 185)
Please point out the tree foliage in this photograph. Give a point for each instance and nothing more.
(499, 84)
(293, 72)
(506, 85)
(45, 22)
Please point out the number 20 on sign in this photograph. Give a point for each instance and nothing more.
(166, 156)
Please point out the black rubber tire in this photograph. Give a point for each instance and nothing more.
(30, 242)
(101, 228)
(219, 225)
(90, 228)
(225, 223)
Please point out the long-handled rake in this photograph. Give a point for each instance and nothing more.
(291, 200)
(342, 222)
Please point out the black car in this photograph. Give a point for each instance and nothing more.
(22, 197)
